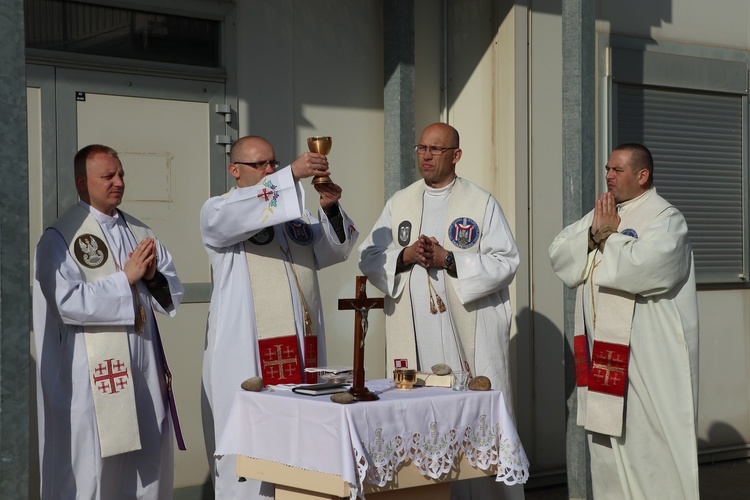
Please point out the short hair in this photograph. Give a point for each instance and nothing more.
(640, 157)
(83, 155)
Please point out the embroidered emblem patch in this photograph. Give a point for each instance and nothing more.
(279, 358)
(90, 251)
(270, 195)
(300, 232)
(463, 232)
(263, 237)
(609, 368)
(629, 232)
(111, 376)
(404, 233)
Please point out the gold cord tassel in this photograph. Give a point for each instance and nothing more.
(440, 304)
(140, 316)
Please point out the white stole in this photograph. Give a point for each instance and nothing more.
(107, 347)
(602, 379)
(272, 299)
(466, 200)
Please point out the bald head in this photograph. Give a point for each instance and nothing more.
(246, 145)
(444, 130)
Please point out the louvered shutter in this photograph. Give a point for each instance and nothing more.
(696, 141)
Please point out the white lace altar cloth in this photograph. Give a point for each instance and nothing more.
(368, 441)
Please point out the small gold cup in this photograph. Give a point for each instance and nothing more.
(404, 378)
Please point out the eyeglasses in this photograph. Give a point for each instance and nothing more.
(434, 150)
(260, 165)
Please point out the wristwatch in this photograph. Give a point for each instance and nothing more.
(449, 261)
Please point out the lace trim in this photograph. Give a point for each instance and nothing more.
(434, 455)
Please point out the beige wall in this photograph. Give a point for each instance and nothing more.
(545, 306)
(325, 62)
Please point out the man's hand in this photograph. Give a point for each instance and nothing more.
(330, 193)
(605, 213)
(426, 252)
(309, 164)
(142, 262)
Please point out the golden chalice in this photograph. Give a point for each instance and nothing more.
(405, 378)
(322, 145)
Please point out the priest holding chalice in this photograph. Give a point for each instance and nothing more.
(265, 248)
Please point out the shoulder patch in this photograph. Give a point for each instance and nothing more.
(299, 232)
(263, 237)
(90, 251)
(463, 232)
(404, 233)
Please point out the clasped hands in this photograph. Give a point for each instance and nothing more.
(426, 252)
(606, 220)
(141, 262)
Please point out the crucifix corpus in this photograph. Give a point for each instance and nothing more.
(361, 306)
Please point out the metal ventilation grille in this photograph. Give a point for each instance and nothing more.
(696, 141)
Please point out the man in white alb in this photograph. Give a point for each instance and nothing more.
(103, 386)
(265, 317)
(443, 254)
(636, 335)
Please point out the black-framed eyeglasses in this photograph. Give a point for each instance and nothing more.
(260, 165)
(434, 150)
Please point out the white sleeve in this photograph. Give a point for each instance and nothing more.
(328, 249)
(569, 252)
(494, 266)
(228, 220)
(108, 301)
(378, 256)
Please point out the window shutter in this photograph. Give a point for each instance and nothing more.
(696, 141)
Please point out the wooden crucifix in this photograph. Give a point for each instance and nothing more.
(361, 306)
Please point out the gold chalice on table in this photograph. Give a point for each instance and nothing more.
(320, 144)
(404, 378)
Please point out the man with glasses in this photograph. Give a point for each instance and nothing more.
(265, 317)
(443, 254)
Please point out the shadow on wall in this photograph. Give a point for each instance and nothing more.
(541, 391)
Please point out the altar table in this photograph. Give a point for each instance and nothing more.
(365, 445)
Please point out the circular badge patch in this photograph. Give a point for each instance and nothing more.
(629, 232)
(300, 232)
(90, 251)
(263, 237)
(463, 232)
(404, 233)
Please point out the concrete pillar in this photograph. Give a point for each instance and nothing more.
(398, 98)
(14, 257)
(579, 189)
